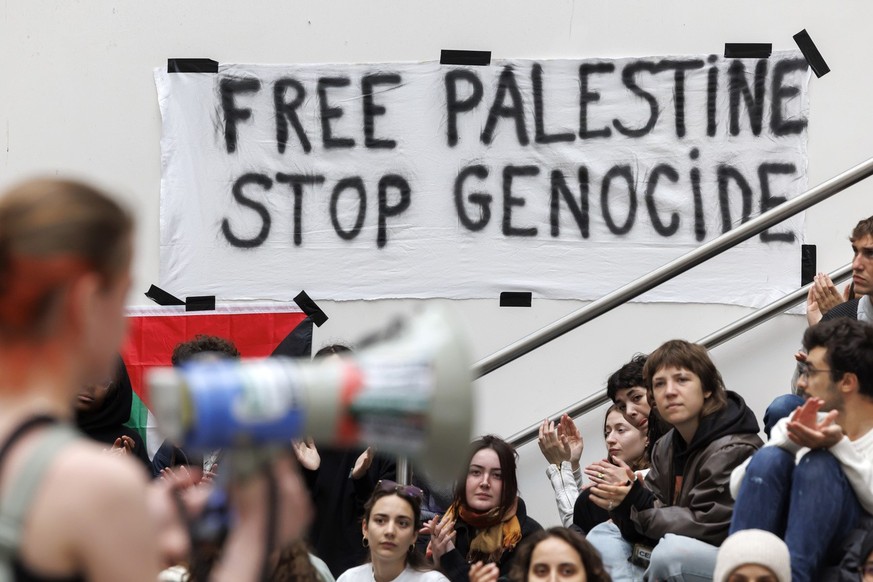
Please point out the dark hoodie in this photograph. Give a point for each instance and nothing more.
(107, 423)
(687, 490)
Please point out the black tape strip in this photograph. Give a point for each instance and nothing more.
(515, 299)
(161, 297)
(309, 307)
(748, 50)
(810, 51)
(477, 58)
(807, 264)
(192, 66)
(200, 303)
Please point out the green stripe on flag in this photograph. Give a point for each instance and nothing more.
(139, 419)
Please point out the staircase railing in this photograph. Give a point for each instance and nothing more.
(714, 339)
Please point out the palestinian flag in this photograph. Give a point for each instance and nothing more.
(256, 330)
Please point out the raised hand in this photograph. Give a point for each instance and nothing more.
(571, 438)
(606, 473)
(611, 483)
(806, 430)
(306, 453)
(122, 446)
(442, 539)
(551, 446)
(180, 477)
(807, 414)
(826, 293)
(362, 464)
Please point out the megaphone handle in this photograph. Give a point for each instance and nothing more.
(272, 526)
(244, 463)
(404, 471)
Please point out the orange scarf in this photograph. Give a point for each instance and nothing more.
(493, 534)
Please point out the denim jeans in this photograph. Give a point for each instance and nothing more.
(682, 559)
(615, 552)
(780, 408)
(674, 559)
(810, 505)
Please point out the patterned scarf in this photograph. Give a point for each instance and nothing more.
(493, 534)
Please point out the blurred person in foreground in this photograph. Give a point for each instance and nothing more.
(65, 254)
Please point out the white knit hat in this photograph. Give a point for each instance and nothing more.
(753, 546)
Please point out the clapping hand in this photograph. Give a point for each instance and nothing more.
(806, 430)
(571, 439)
(612, 483)
(553, 448)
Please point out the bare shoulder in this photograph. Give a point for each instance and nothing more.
(94, 477)
(89, 509)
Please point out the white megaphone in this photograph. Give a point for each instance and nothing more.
(410, 395)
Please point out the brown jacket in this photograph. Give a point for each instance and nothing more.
(703, 507)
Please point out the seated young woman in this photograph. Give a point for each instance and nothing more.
(627, 390)
(487, 520)
(684, 510)
(626, 447)
(563, 447)
(392, 518)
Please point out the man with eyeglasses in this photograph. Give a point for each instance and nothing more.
(813, 481)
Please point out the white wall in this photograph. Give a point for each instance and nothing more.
(77, 96)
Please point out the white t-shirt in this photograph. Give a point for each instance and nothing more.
(364, 573)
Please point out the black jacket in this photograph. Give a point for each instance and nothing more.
(107, 424)
(586, 514)
(847, 309)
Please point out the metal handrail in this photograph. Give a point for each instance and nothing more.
(672, 269)
(768, 312)
(714, 339)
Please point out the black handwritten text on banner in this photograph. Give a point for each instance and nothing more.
(564, 178)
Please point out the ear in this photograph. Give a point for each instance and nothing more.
(80, 303)
(848, 383)
(364, 527)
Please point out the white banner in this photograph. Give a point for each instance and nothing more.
(566, 178)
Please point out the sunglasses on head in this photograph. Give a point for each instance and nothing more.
(410, 491)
